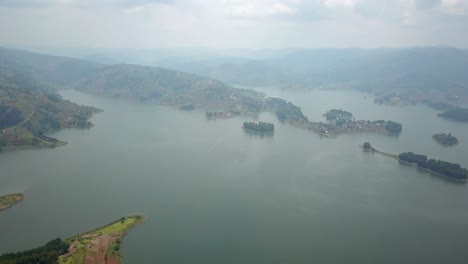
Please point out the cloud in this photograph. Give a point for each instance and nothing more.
(339, 3)
(258, 8)
(79, 3)
(234, 23)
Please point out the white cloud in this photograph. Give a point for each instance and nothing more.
(456, 7)
(234, 23)
(339, 3)
(259, 8)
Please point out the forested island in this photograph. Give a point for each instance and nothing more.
(260, 127)
(10, 200)
(101, 246)
(445, 139)
(456, 114)
(439, 167)
(451, 170)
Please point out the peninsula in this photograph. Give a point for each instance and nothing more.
(10, 200)
(100, 246)
(439, 167)
(342, 122)
(26, 116)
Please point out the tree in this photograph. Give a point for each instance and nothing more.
(367, 146)
(393, 127)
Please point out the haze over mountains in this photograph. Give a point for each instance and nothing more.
(433, 75)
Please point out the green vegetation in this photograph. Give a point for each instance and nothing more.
(260, 127)
(167, 87)
(445, 168)
(456, 114)
(285, 111)
(393, 127)
(445, 139)
(47, 254)
(101, 245)
(367, 146)
(10, 200)
(27, 115)
(339, 115)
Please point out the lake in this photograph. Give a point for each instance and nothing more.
(215, 194)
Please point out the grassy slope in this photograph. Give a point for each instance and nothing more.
(10, 200)
(117, 228)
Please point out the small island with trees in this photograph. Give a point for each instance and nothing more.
(259, 128)
(445, 139)
(10, 200)
(443, 168)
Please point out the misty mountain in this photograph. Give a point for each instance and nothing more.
(47, 73)
(44, 72)
(433, 75)
(169, 87)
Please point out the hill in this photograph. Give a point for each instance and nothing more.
(169, 87)
(26, 116)
(30, 106)
(432, 75)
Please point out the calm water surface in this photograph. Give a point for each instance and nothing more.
(214, 194)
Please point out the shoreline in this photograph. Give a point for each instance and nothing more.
(18, 197)
(256, 132)
(100, 245)
(393, 156)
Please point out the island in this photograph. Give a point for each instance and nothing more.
(445, 139)
(455, 114)
(342, 122)
(439, 167)
(259, 128)
(101, 246)
(10, 200)
(367, 147)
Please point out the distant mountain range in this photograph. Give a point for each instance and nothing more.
(432, 75)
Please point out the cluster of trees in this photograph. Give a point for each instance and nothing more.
(446, 139)
(261, 127)
(439, 166)
(9, 117)
(457, 114)
(338, 114)
(367, 146)
(47, 254)
(393, 127)
(290, 112)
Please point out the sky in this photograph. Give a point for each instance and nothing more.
(234, 23)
